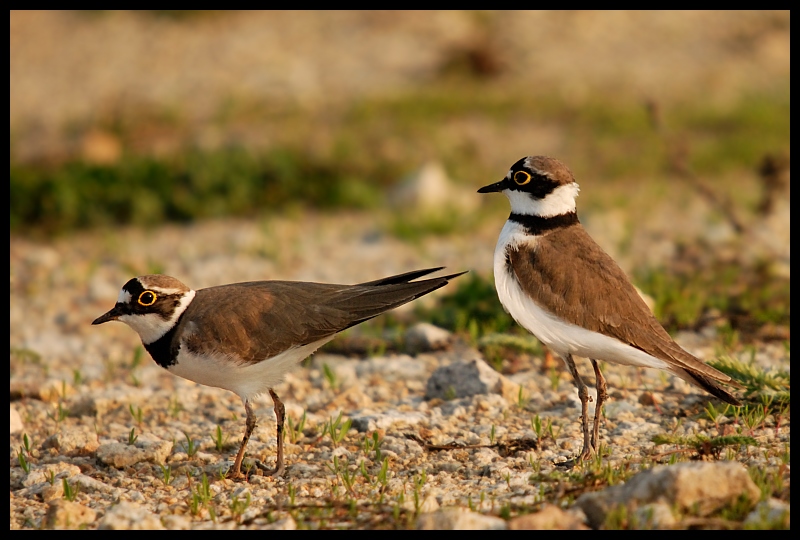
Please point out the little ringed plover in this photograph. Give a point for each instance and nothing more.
(557, 283)
(245, 337)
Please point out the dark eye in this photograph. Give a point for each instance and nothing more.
(147, 298)
(521, 178)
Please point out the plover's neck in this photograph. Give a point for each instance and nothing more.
(559, 201)
(537, 225)
(161, 350)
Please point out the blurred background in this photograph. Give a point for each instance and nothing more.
(341, 146)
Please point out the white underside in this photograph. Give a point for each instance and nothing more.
(560, 337)
(246, 380)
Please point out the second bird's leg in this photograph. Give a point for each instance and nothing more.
(602, 396)
(250, 425)
(583, 394)
(280, 415)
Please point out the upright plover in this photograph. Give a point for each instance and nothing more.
(557, 283)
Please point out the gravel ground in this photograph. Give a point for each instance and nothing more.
(477, 451)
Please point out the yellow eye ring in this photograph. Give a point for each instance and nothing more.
(147, 298)
(521, 178)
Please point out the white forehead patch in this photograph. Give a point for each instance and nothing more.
(124, 297)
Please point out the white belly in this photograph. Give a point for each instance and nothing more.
(560, 337)
(246, 380)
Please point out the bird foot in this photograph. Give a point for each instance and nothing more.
(250, 467)
(587, 454)
(275, 473)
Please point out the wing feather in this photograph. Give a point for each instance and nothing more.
(290, 313)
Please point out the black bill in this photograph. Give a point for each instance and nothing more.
(496, 187)
(112, 315)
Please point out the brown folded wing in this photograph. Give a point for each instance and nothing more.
(289, 313)
(568, 274)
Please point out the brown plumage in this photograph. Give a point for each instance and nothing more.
(562, 287)
(287, 313)
(593, 292)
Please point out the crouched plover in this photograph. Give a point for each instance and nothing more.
(245, 337)
(556, 282)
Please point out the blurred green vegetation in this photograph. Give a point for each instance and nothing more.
(346, 156)
(472, 307)
(746, 296)
(143, 190)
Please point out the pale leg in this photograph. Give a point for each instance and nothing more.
(602, 396)
(280, 415)
(583, 394)
(250, 425)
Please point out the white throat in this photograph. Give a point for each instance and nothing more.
(560, 201)
(151, 326)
